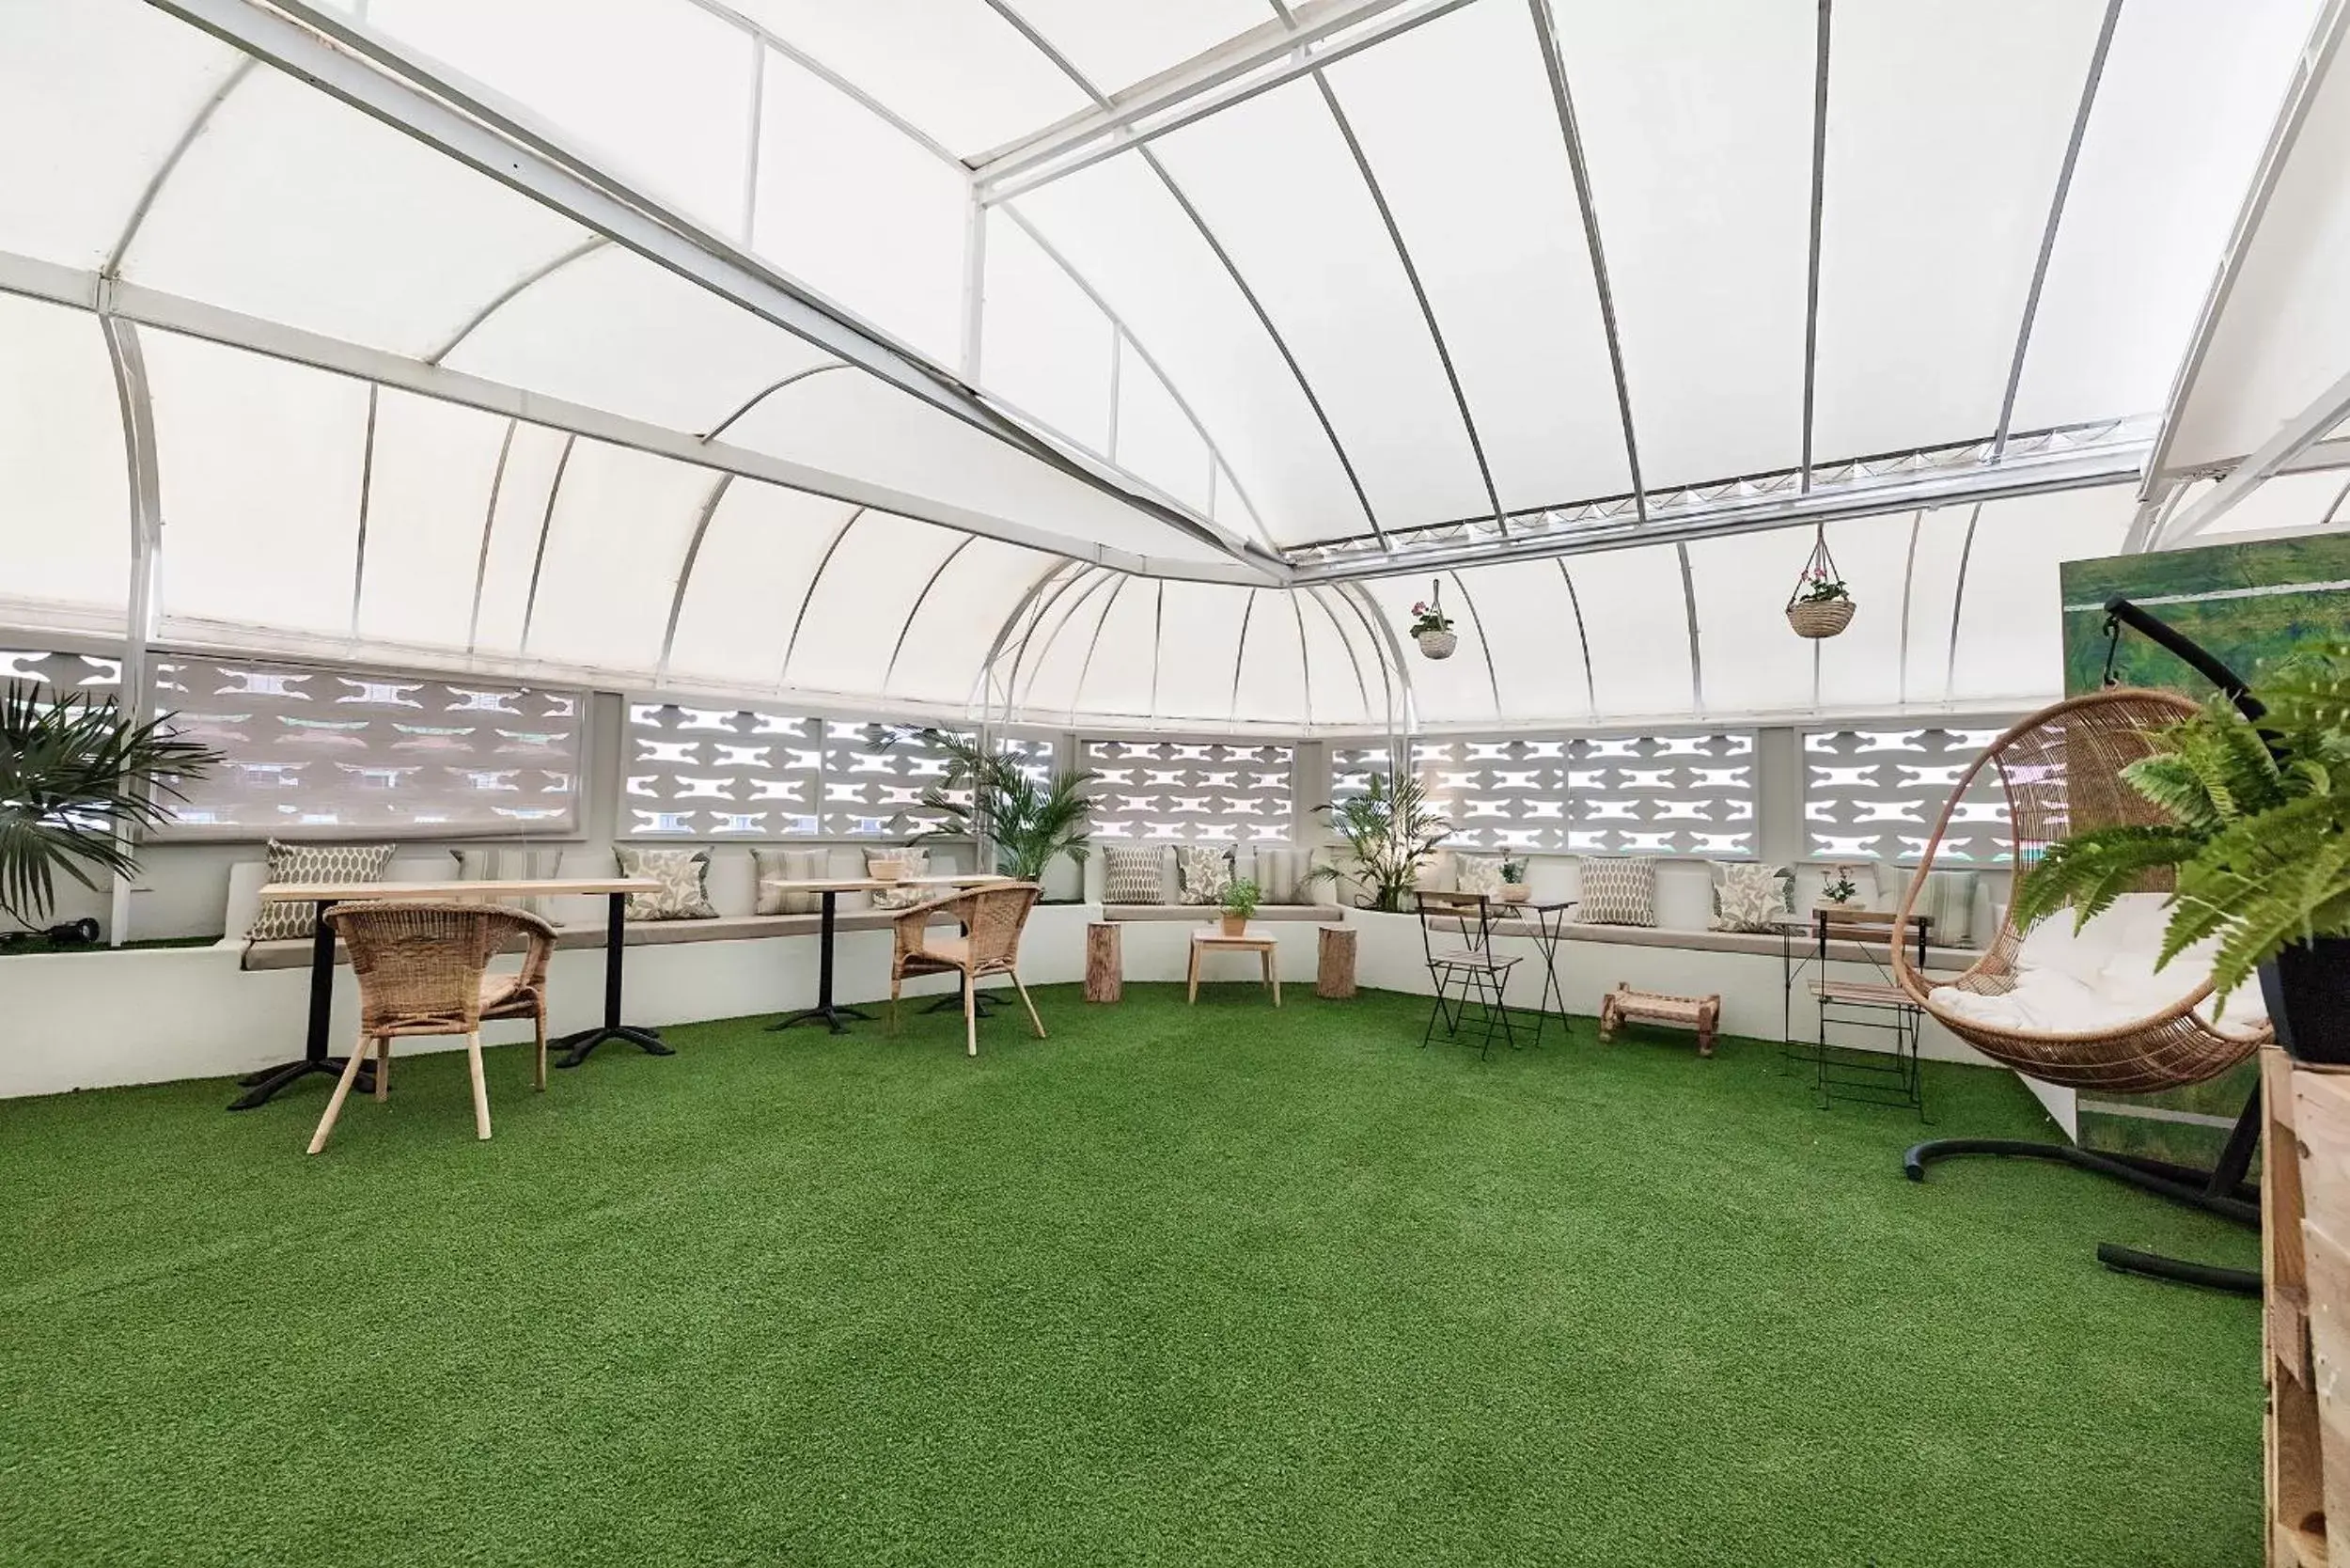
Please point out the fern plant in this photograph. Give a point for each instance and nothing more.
(989, 795)
(1388, 831)
(2259, 829)
(78, 782)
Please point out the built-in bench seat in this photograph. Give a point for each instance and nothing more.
(1320, 913)
(296, 953)
(1766, 943)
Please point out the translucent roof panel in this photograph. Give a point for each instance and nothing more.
(1046, 349)
(757, 556)
(1353, 325)
(517, 520)
(2283, 335)
(607, 564)
(1862, 666)
(1947, 123)
(659, 91)
(858, 211)
(2151, 202)
(260, 467)
(65, 501)
(1131, 240)
(1498, 244)
(1195, 679)
(1120, 652)
(1272, 687)
(1157, 442)
(1449, 691)
(1344, 677)
(293, 208)
(428, 477)
(946, 642)
(952, 66)
(1117, 43)
(130, 81)
(1753, 663)
(1636, 622)
(877, 570)
(1697, 121)
(2010, 639)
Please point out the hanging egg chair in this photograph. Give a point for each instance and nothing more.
(1819, 607)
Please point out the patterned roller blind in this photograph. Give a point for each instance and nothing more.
(1199, 791)
(1875, 794)
(712, 773)
(312, 751)
(1676, 794)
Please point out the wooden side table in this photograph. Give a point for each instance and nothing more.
(1106, 962)
(1212, 940)
(1333, 970)
(1623, 1005)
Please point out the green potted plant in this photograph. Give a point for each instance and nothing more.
(79, 781)
(1839, 890)
(2257, 843)
(989, 795)
(1513, 888)
(1387, 832)
(1240, 898)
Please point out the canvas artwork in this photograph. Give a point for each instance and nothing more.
(2245, 603)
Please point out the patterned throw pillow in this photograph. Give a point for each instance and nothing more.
(1130, 875)
(312, 864)
(503, 863)
(911, 862)
(684, 878)
(1948, 897)
(1478, 874)
(1204, 872)
(772, 865)
(1619, 891)
(1749, 896)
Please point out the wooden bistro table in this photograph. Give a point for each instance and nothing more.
(825, 1012)
(1210, 939)
(314, 1059)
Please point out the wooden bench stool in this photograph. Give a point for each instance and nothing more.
(1624, 1004)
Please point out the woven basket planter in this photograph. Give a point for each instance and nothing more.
(1820, 618)
(1439, 645)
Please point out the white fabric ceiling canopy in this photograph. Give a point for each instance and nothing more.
(1068, 395)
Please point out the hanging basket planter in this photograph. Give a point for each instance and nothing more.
(1820, 606)
(1432, 628)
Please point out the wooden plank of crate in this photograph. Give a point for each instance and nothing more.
(2330, 1377)
(2297, 1500)
(2320, 1128)
(2290, 1451)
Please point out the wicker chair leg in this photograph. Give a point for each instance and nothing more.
(382, 1067)
(342, 1093)
(539, 1022)
(480, 1085)
(1027, 1003)
(896, 983)
(970, 1015)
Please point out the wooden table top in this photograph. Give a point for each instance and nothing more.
(1212, 936)
(352, 892)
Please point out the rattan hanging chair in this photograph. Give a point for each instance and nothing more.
(2061, 771)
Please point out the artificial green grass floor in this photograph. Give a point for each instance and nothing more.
(1213, 1285)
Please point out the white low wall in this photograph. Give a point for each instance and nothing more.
(91, 1020)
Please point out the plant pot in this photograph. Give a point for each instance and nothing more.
(2308, 991)
(887, 870)
(1437, 645)
(1820, 618)
(1235, 925)
(1515, 892)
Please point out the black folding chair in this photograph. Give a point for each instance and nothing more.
(1466, 973)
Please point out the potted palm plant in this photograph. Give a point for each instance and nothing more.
(1387, 832)
(1240, 898)
(79, 782)
(2257, 845)
(989, 796)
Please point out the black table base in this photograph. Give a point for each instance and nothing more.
(576, 1044)
(824, 1012)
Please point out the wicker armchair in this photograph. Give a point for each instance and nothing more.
(423, 968)
(992, 919)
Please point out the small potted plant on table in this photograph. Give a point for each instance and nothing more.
(1839, 891)
(1241, 899)
(1513, 888)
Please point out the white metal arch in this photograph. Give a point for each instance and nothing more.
(815, 581)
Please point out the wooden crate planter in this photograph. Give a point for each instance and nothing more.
(2305, 1256)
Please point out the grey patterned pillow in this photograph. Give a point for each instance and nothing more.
(1203, 872)
(684, 878)
(1749, 896)
(1948, 897)
(313, 863)
(1130, 875)
(912, 862)
(1619, 891)
(1478, 873)
(505, 863)
(1281, 875)
(771, 865)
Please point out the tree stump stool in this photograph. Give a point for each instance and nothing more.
(1105, 963)
(1334, 972)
